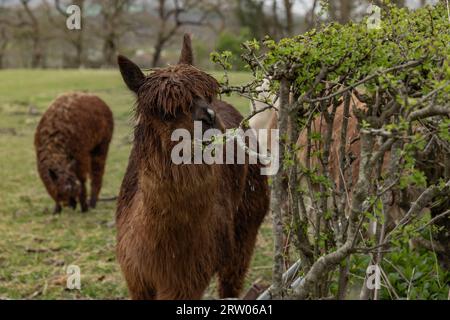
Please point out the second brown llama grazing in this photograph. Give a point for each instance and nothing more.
(72, 141)
(179, 225)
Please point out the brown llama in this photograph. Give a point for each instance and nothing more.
(72, 141)
(179, 225)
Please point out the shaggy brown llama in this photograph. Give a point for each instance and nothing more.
(179, 225)
(72, 141)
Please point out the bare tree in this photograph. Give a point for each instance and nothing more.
(112, 12)
(282, 27)
(3, 35)
(252, 15)
(115, 23)
(264, 17)
(173, 16)
(341, 10)
(26, 22)
(310, 16)
(31, 20)
(3, 44)
(288, 8)
(398, 3)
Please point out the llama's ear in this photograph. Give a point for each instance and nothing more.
(187, 55)
(131, 73)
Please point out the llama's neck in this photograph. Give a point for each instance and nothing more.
(166, 186)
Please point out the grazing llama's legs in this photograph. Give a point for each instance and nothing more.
(83, 195)
(57, 209)
(82, 168)
(98, 160)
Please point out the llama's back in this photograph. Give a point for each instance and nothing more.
(230, 117)
(75, 121)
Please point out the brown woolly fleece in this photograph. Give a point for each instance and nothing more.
(72, 141)
(179, 225)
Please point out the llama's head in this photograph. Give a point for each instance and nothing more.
(173, 97)
(66, 187)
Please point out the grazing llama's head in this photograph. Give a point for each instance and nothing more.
(65, 184)
(173, 97)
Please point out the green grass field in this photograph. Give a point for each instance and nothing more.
(35, 246)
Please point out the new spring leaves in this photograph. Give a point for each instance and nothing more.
(214, 147)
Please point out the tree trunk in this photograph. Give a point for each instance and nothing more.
(288, 4)
(109, 50)
(37, 56)
(79, 47)
(345, 11)
(277, 208)
(79, 53)
(3, 45)
(157, 53)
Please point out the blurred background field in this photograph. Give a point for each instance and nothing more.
(36, 246)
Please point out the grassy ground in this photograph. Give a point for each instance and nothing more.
(35, 246)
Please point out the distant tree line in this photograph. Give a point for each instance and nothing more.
(33, 33)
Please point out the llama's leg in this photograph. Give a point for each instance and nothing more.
(98, 160)
(143, 295)
(232, 275)
(140, 292)
(248, 219)
(81, 173)
(178, 293)
(137, 287)
(83, 196)
(188, 285)
(57, 209)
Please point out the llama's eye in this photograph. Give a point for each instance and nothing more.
(208, 116)
(205, 114)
